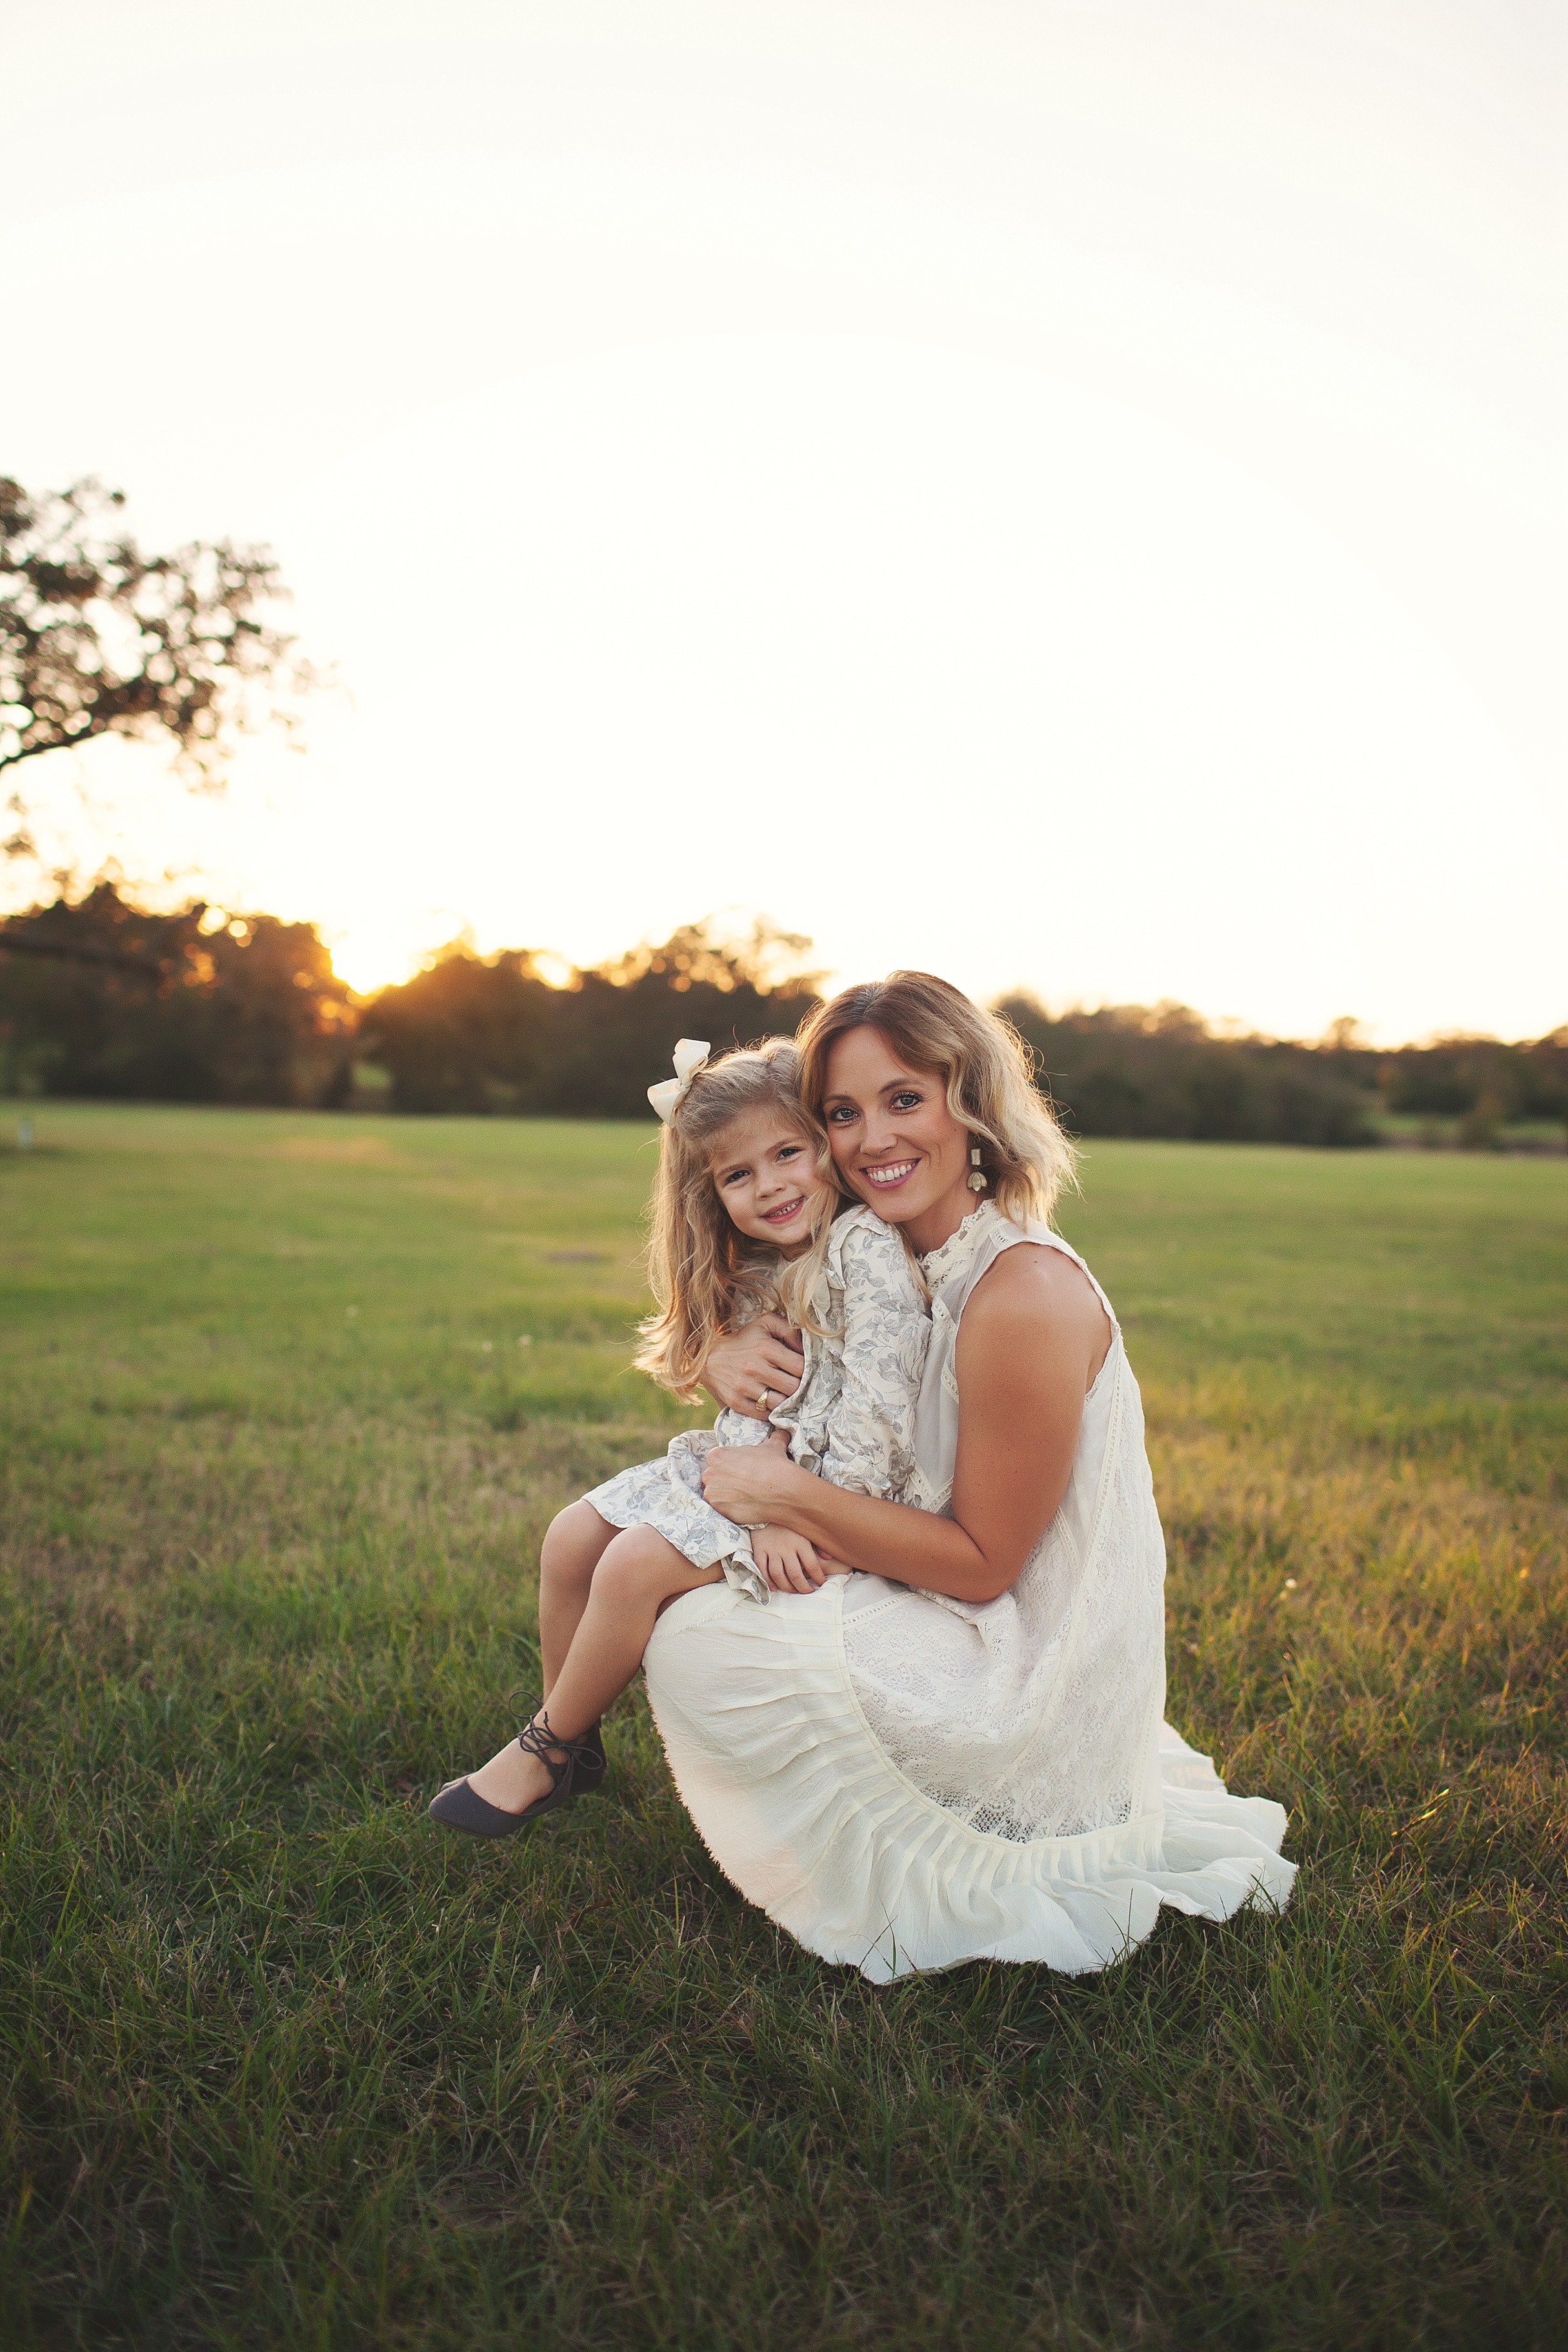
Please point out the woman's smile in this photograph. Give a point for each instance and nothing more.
(890, 1173)
(896, 1141)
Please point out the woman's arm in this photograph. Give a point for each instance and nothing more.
(1032, 1338)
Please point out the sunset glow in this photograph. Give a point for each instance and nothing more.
(877, 471)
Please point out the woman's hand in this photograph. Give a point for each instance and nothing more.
(766, 1356)
(753, 1484)
(1034, 1338)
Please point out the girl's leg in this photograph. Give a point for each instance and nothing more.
(637, 1571)
(574, 1545)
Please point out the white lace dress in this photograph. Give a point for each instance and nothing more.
(851, 1421)
(906, 1782)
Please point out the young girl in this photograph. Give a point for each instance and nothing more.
(744, 1225)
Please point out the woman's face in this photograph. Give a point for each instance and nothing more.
(894, 1139)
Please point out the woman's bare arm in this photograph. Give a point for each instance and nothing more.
(1032, 1338)
(765, 1354)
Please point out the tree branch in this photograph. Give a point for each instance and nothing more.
(88, 734)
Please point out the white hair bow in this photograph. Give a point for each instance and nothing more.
(689, 1057)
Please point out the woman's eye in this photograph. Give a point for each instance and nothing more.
(840, 1115)
(906, 1099)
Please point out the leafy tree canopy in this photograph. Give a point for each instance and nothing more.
(699, 956)
(99, 639)
(100, 998)
(478, 1034)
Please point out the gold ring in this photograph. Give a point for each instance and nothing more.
(763, 1395)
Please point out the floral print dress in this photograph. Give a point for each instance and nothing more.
(851, 1421)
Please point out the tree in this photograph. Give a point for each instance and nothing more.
(97, 638)
(489, 1034)
(103, 999)
(1132, 1069)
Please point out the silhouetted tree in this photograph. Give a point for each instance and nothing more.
(98, 639)
(101, 999)
(468, 1033)
(481, 1034)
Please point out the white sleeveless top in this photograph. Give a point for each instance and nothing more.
(1034, 1715)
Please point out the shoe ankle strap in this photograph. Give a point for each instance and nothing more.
(536, 1738)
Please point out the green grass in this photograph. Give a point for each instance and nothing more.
(285, 2068)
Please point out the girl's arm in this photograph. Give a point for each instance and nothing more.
(868, 1432)
(1032, 1338)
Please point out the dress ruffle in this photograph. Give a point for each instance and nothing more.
(812, 1821)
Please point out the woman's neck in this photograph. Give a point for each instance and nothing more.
(941, 1220)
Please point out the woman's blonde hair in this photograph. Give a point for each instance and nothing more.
(706, 1275)
(986, 1068)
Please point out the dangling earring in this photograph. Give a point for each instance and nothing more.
(978, 1179)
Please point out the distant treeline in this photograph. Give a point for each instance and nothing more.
(488, 1033)
(98, 998)
(1130, 1070)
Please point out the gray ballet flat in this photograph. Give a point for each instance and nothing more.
(578, 1770)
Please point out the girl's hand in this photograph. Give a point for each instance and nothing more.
(766, 1355)
(788, 1561)
(751, 1484)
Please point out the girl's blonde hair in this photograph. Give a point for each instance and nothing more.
(706, 1276)
(986, 1068)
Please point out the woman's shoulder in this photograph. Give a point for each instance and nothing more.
(1046, 1288)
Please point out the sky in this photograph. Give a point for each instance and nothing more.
(1072, 494)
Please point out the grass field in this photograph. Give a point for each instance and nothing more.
(286, 1403)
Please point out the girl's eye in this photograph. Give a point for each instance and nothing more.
(736, 1176)
(790, 1151)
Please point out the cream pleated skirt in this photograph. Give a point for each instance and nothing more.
(814, 1822)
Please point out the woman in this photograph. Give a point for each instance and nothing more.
(956, 1752)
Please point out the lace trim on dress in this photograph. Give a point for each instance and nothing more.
(951, 1256)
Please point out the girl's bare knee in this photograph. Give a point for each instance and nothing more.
(639, 1565)
(574, 1542)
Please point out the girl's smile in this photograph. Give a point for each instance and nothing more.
(765, 1172)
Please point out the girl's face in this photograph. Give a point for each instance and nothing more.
(894, 1139)
(765, 1172)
